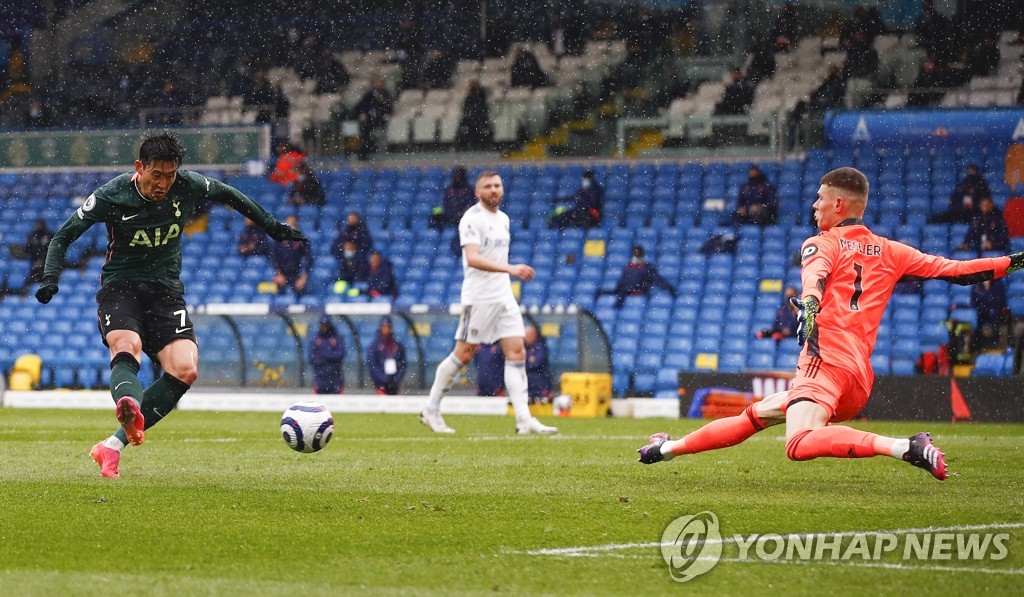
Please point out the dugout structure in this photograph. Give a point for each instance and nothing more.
(257, 346)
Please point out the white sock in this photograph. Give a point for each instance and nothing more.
(666, 450)
(443, 379)
(900, 447)
(518, 389)
(113, 443)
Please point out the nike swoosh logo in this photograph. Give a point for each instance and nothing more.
(177, 331)
(126, 218)
(121, 384)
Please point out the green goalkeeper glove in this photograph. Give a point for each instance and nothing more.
(1016, 262)
(808, 309)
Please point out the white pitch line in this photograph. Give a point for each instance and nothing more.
(587, 551)
(846, 563)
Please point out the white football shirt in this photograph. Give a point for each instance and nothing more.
(490, 231)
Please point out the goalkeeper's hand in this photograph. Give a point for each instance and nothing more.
(807, 310)
(1016, 262)
(280, 231)
(46, 290)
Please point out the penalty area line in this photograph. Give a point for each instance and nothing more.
(594, 550)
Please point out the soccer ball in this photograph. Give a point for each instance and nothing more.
(307, 426)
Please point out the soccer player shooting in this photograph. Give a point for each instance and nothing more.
(141, 304)
(848, 274)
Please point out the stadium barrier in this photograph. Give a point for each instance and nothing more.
(200, 400)
(208, 147)
(895, 397)
(259, 346)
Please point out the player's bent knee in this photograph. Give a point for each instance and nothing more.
(793, 451)
(187, 374)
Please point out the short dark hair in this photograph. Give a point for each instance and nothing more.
(485, 174)
(161, 147)
(847, 179)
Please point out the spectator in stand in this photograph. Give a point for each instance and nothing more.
(963, 202)
(830, 94)
(637, 279)
(582, 209)
(475, 129)
(784, 324)
(171, 101)
(645, 31)
(292, 261)
(983, 59)
(437, 72)
(738, 95)
(786, 30)
(253, 241)
(458, 197)
(326, 353)
(526, 71)
(261, 96)
(386, 360)
(861, 58)
(355, 230)
(408, 45)
(307, 189)
(38, 115)
(758, 202)
(865, 20)
(351, 267)
(35, 249)
(239, 78)
(628, 74)
(286, 168)
(931, 83)
(762, 64)
(372, 112)
(989, 299)
(566, 36)
(987, 230)
(381, 277)
(330, 74)
(538, 372)
(934, 32)
(490, 370)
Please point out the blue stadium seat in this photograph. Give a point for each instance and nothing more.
(644, 383)
(760, 361)
(990, 363)
(732, 362)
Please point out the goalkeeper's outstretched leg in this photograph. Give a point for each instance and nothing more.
(720, 433)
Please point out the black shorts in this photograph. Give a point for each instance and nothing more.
(155, 313)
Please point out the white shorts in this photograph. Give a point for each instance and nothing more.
(489, 322)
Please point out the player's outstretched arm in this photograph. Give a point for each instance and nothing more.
(971, 271)
(235, 199)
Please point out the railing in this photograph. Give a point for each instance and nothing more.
(705, 135)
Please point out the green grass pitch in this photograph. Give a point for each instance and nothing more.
(215, 503)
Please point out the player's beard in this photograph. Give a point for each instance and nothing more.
(493, 201)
